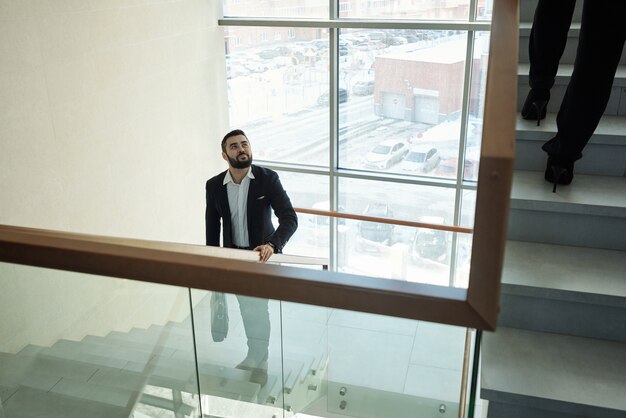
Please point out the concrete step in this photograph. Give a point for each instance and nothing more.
(604, 155)
(17, 368)
(229, 383)
(617, 101)
(299, 360)
(527, 11)
(34, 403)
(569, 54)
(118, 339)
(104, 354)
(297, 364)
(543, 375)
(591, 212)
(69, 357)
(214, 378)
(571, 290)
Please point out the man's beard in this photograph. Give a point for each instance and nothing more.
(235, 163)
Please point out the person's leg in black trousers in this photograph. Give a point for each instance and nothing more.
(602, 34)
(256, 322)
(548, 38)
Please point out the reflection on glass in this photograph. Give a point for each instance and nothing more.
(396, 200)
(281, 8)
(484, 9)
(73, 344)
(423, 10)
(403, 113)
(464, 252)
(383, 367)
(312, 238)
(305, 352)
(395, 252)
(468, 208)
(246, 365)
(278, 91)
(477, 105)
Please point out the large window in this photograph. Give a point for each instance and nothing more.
(370, 108)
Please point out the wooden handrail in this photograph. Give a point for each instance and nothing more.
(214, 268)
(496, 162)
(400, 222)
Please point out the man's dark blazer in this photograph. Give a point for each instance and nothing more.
(264, 194)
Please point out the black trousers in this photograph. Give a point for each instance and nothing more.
(256, 322)
(601, 41)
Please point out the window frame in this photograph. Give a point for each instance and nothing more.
(478, 307)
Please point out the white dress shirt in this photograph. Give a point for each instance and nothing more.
(238, 204)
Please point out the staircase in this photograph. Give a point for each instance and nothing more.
(560, 347)
(152, 373)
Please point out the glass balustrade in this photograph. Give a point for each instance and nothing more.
(79, 345)
(324, 362)
(73, 344)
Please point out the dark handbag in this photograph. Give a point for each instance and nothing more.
(219, 316)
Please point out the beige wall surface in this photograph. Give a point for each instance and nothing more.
(111, 113)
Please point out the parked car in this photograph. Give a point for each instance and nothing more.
(448, 168)
(386, 154)
(233, 71)
(268, 54)
(256, 66)
(421, 159)
(372, 231)
(395, 40)
(342, 97)
(431, 244)
(363, 88)
(376, 36)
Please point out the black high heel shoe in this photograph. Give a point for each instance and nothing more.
(536, 105)
(559, 172)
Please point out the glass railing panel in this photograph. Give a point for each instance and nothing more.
(240, 364)
(306, 356)
(380, 366)
(74, 344)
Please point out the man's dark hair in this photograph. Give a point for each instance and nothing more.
(234, 132)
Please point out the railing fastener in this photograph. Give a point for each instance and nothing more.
(343, 390)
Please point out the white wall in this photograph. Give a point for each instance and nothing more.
(111, 112)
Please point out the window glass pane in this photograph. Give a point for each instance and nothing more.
(396, 200)
(278, 92)
(484, 8)
(477, 106)
(395, 252)
(393, 9)
(405, 101)
(308, 191)
(463, 258)
(385, 250)
(280, 9)
(468, 207)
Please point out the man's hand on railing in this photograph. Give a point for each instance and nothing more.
(265, 252)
